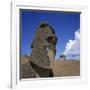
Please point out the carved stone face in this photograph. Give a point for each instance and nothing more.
(44, 46)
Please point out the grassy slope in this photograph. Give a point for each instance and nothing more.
(66, 68)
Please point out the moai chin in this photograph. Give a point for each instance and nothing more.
(43, 46)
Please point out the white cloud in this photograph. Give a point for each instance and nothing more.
(72, 49)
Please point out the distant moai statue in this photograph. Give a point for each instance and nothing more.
(43, 50)
(62, 57)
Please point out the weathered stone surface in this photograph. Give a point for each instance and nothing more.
(27, 71)
(30, 70)
(44, 41)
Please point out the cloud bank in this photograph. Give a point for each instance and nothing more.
(72, 48)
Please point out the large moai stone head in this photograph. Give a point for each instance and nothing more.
(43, 46)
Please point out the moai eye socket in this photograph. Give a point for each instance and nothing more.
(52, 40)
(49, 38)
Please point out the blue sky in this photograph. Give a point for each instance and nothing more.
(65, 25)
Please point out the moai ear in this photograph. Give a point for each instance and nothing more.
(32, 43)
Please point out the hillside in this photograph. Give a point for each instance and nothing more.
(66, 68)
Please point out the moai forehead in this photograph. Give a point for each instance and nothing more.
(44, 38)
